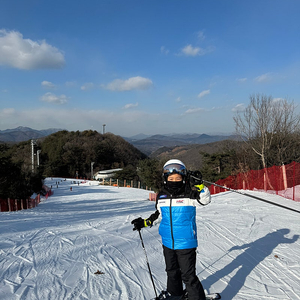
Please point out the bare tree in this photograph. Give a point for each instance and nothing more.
(267, 123)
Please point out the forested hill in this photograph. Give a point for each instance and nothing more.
(65, 153)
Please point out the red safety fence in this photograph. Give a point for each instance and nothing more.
(20, 204)
(152, 196)
(283, 181)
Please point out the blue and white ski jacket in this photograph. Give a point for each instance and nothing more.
(178, 227)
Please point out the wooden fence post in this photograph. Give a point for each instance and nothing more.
(284, 177)
(8, 202)
(294, 179)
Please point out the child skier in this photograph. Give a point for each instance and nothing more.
(176, 211)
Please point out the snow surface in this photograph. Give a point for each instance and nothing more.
(247, 249)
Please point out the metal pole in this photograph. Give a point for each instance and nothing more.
(148, 263)
(32, 155)
(248, 195)
(38, 157)
(92, 164)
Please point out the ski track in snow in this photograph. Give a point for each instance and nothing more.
(247, 249)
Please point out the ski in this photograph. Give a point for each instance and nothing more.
(213, 296)
(166, 295)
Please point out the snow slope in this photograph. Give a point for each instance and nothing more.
(247, 249)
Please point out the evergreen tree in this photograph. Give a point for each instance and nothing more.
(150, 172)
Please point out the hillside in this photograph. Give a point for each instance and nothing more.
(190, 154)
(67, 153)
(247, 249)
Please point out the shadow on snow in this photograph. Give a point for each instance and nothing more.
(253, 254)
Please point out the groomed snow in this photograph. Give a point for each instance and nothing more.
(247, 249)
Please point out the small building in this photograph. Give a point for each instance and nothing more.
(106, 174)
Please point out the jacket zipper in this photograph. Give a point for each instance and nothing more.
(171, 223)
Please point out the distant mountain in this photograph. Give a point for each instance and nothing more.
(191, 154)
(140, 136)
(21, 134)
(152, 143)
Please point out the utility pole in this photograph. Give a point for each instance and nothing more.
(92, 164)
(38, 157)
(33, 143)
(104, 128)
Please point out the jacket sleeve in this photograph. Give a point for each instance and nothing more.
(203, 197)
(154, 217)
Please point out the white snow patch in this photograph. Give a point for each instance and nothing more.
(247, 249)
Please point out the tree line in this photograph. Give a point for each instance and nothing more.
(16, 182)
(269, 130)
(63, 154)
(269, 135)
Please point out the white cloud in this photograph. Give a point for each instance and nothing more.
(194, 110)
(133, 83)
(124, 122)
(189, 50)
(278, 99)
(48, 84)
(130, 105)
(203, 93)
(178, 99)
(87, 86)
(52, 98)
(200, 35)
(239, 108)
(264, 77)
(7, 112)
(26, 54)
(163, 50)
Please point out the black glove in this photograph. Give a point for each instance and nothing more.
(196, 178)
(138, 223)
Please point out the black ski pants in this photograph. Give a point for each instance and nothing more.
(181, 266)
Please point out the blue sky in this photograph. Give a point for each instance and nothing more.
(144, 66)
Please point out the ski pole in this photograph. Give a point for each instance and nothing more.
(248, 195)
(148, 264)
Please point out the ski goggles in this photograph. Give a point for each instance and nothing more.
(174, 168)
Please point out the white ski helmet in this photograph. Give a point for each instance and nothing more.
(174, 166)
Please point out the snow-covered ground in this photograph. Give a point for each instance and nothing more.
(247, 249)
